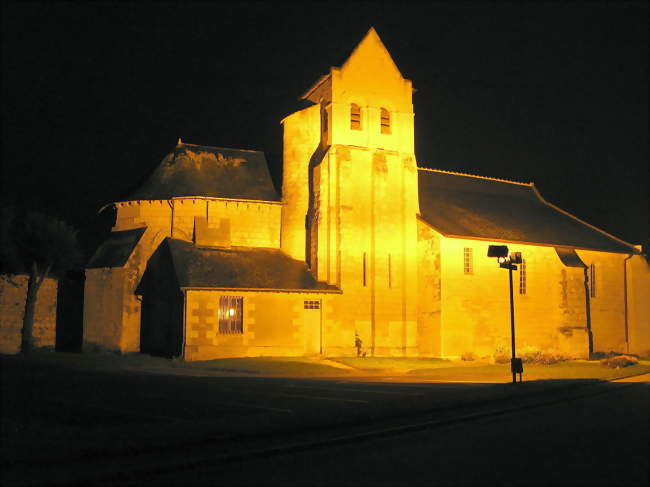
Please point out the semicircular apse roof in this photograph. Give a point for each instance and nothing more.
(196, 170)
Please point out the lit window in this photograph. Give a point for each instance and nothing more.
(355, 117)
(385, 121)
(312, 304)
(592, 280)
(468, 260)
(522, 277)
(231, 314)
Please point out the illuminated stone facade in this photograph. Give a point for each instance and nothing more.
(13, 292)
(364, 253)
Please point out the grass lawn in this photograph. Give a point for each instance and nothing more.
(578, 369)
(287, 366)
(431, 368)
(394, 364)
(443, 369)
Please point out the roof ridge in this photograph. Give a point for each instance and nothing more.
(456, 173)
(215, 147)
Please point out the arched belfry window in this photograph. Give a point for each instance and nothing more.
(385, 121)
(355, 117)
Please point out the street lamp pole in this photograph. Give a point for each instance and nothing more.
(512, 325)
(509, 261)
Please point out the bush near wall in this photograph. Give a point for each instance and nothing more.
(619, 361)
(13, 290)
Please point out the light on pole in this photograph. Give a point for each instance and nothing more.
(509, 261)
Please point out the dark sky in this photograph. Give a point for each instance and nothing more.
(95, 94)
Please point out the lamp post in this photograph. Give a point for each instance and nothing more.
(509, 261)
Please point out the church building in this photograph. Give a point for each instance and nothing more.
(363, 252)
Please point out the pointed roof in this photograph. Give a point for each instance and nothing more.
(468, 206)
(217, 172)
(370, 42)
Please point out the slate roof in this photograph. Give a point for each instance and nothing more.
(197, 170)
(116, 249)
(569, 258)
(460, 205)
(240, 268)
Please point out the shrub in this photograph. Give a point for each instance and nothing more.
(468, 356)
(543, 358)
(500, 355)
(645, 355)
(603, 355)
(619, 361)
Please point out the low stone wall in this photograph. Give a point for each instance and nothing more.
(13, 290)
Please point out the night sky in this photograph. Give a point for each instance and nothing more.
(94, 95)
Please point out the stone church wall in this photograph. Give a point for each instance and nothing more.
(550, 316)
(112, 318)
(301, 138)
(13, 290)
(366, 243)
(273, 324)
(639, 305)
(429, 291)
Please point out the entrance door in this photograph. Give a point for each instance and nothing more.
(312, 324)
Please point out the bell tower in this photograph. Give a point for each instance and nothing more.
(350, 175)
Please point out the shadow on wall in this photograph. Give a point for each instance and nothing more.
(69, 312)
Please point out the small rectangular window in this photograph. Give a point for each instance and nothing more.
(468, 260)
(364, 269)
(312, 304)
(592, 280)
(522, 277)
(231, 314)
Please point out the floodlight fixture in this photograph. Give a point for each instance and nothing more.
(498, 251)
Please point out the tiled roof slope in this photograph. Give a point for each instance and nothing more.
(242, 268)
(116, 249)
(196, 170)
(462, 205)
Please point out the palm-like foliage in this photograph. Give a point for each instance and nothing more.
(40, 246)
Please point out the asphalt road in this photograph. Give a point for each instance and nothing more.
(62, 424)
(600, 439)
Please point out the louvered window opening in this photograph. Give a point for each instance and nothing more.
(355, 117)
(231, 314)
(385, 121)
(312, 304)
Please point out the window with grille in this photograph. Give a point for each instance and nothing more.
(592, 280)
(231, 314)
(468, 260)
(355, 117)
(385, 121)
(312, 304)
(522, 277)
